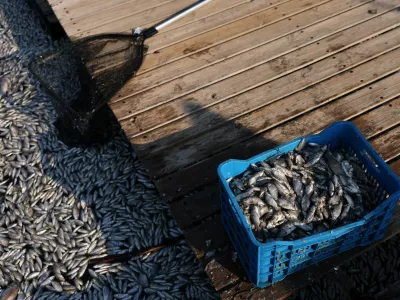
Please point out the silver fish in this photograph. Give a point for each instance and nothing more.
(271, 201)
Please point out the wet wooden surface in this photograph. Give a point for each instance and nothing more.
(239, 77)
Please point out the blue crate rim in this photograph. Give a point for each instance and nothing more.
(337, 232)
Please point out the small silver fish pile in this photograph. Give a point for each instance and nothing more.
(306, 191)
(61, 207)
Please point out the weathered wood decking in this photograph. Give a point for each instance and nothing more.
(236, 78)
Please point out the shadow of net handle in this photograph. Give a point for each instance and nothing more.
(147, 33)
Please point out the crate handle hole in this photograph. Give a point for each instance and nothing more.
(369, 156)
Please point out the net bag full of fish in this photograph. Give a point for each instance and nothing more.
(305, 201)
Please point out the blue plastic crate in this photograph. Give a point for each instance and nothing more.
(267, 263)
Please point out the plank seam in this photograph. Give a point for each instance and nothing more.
(113, 7)
(235, 54)
(268, 60)
(265, 82)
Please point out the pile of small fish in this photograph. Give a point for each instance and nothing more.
(376, 270)
(306, 191)
(324, 288)
(62, 207)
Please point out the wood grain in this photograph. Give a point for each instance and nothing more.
(94, 14)
(190, 83)
(128, 20)
(209, 41)
(250, 39)
(220, 14)
(261, 96)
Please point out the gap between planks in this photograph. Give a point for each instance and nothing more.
(161, 96)
(277, 89)
(170, 8)
(188, 152)
(101, 11)
(207, 28)
(301, 16)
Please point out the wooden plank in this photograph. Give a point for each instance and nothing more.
(383, 117)
(368, 126)
(295, 281)
(90, 14)
(64, 9)
(314, 120)
(235, 12)
(265, 94)
(389, 143)
(231, 85)
(184, 154)
(212, 8)
(196, 207)
(115, 23)
(190, 83)
(210, 230)
(125, 23)
(268, 32)
(395, 165)
(279, 35)
(196, 21)
(216, 45)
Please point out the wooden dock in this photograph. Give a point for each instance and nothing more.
(238, 77)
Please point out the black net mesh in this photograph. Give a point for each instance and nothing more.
(83, 76)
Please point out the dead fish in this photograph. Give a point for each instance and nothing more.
(297, 186)
(316, 157)
(301, 144)
(305, 204)
(282, 190)
(269, 200)
(4, 86)
(303, 226)
(310, 214)
(291, 215)
(10, 293)
(254, 178)
(347, 168)
(286, 204)
(262, 181)
(277, 218)
(336, 211)
(255, 216)
(278, 174)
(247, 194)
(334, 200)
(273, 190)
(310, 188)
(299, 160)
(286, 229)
(349, 200)
(345, 211)
(253, 201)
(331, 188)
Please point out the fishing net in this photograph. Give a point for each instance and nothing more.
(83, 76)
